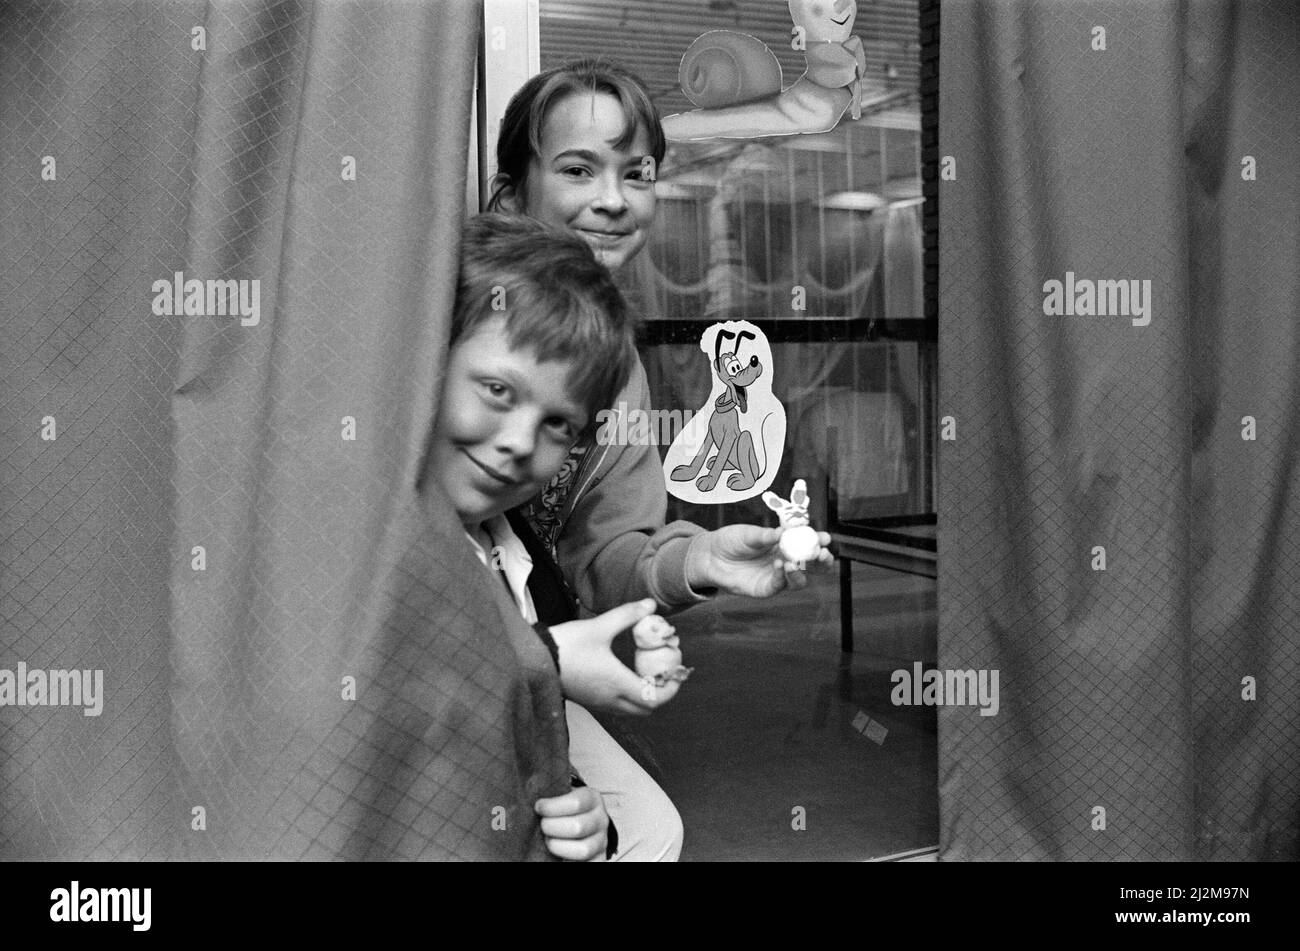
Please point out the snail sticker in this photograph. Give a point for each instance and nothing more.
(731, 448)
(736, 80)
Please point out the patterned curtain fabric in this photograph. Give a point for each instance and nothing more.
(1148, 702)
(209, 495)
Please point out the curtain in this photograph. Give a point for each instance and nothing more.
(301, 656)
(1119, 508)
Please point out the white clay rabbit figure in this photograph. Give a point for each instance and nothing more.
(799, 543)
(658, 657)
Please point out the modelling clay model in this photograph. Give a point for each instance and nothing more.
(799, 544)
(658, 659)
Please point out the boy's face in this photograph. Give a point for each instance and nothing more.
(504, 427)
(583, 183)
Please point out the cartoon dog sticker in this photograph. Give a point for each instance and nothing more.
(732, 448)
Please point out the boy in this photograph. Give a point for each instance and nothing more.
(540, 341)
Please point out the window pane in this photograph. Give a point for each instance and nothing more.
(817, 239)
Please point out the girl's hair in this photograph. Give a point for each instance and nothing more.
(558, 300)
(520, 140)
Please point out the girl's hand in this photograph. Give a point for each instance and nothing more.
(574, 825)
(591, 675)
(743, 559)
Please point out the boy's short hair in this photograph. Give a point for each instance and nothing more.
(520, 138)
(558, 302)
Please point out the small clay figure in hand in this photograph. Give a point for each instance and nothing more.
(799, 542)
(658, 656)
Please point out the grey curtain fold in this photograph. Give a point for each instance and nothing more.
(301, 656)
(1149, 704)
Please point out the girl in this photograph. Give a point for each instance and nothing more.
(579, 148)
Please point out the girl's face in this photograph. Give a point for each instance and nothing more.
(583, 183)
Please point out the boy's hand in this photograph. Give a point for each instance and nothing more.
(575, 824)
(743, 559)
(591, 675)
